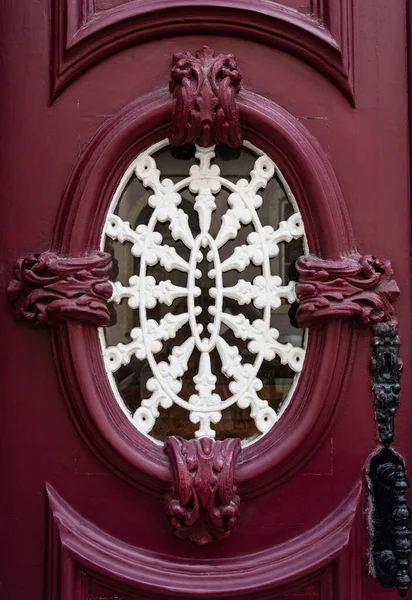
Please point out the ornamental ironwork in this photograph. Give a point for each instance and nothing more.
(265, 291)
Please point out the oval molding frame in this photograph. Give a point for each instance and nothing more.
(77, 349)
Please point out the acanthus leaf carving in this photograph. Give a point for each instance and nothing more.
(355, 287)
(203, 503)
(204, 88)
(390, 518)
(48, 288)
(79, 549)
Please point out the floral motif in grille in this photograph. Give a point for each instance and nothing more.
(266, 292)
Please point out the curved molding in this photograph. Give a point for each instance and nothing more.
(83, 36)
(88, 550)
(77, 350)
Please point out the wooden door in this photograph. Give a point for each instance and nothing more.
(301, 493)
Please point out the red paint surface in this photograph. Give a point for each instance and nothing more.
(290, 485)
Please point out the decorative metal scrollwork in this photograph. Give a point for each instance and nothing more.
(265, 292)
(391, 544)
(386, 374)
(356, 287)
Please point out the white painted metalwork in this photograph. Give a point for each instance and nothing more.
(265, 291)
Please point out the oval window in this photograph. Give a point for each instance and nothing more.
(202, 340)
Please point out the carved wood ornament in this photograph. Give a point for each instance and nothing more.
(203, 504)
(204, 90)
(88, 197)
(49, 289)
(357, 287)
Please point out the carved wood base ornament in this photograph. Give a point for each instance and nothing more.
(48, 289)
(203, 503)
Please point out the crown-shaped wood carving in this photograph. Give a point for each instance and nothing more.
(204, 88)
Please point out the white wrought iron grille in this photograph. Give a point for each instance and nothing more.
(225, 260)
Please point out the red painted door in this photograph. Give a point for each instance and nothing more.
(92, 506)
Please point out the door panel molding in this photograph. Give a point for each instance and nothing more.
(83, 36)
(323, 554)
(302, 534)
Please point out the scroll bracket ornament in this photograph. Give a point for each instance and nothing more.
(203, 503)
(204, 88)
(357, 287)
(48, 289)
